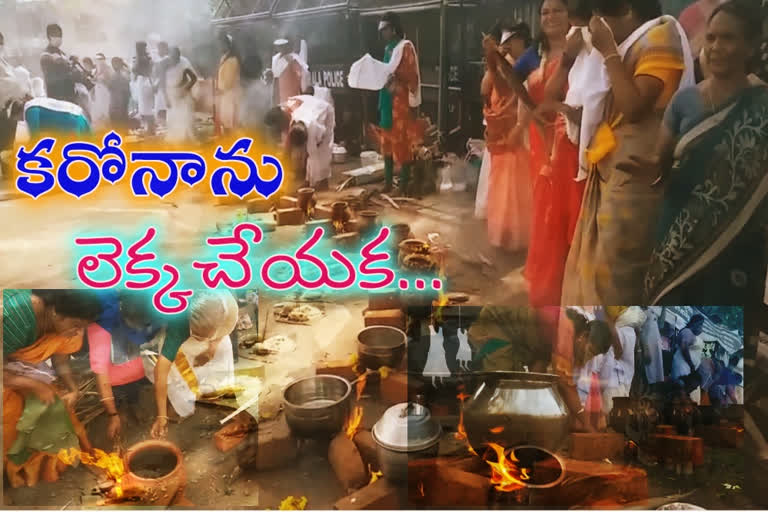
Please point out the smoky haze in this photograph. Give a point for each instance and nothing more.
(111, 27)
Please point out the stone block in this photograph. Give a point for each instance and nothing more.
(390, 317)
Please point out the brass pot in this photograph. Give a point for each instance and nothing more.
(340, 212)
(368, 221)
(305, 196)
(516, 408)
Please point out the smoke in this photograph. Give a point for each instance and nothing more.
(112, 27)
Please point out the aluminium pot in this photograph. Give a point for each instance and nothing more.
(317, 407)
(381, 345)
(516, 408)
(405, 432)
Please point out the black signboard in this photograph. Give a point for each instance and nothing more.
(333, 76)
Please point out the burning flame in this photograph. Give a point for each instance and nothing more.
(497, 430)
(338, 226)
(506, 476)
(353, 423)
(384, 371)
(461, 433)
(421, 489)
(374, 474)
(291, 503)
(112, 463)
(360, 386)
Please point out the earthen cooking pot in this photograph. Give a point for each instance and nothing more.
(514, 409)
(155, 475)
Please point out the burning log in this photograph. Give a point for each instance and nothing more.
(367, 448)
(444, 486)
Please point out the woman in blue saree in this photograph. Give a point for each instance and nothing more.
(711, 243)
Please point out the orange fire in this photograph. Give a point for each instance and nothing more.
(421, 489)
(461, 433)
(506, 475)
(338, 227)
(360, 386)
(112, 463)
(353, 423)
(374, 474)
(497, 430)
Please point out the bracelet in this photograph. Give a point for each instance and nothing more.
(112, 414)
(611, 56)
(107, 398)
(164, 417)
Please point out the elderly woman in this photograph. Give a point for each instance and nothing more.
(195, 356)
(38, 419)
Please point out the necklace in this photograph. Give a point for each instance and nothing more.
(708, 94)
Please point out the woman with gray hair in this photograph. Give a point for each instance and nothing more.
(194, 356)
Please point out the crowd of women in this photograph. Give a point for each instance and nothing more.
(628, 178)
(124, 345)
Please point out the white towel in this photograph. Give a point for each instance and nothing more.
(372, 75)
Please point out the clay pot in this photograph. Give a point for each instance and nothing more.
(400, 232)
(411, 246)
(621, 415)
(368, 221)
(154, 473)
(340, 212)
(305, 196)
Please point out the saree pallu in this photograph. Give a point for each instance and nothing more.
(39, 464)
(557, 200)
(508, 338)
(509, 187)
(710, 247)
(614, 236)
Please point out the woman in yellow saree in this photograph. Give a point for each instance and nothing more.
(39, 325)
(647, 60)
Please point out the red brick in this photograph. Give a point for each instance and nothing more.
(367, 448)
(666, 430)
(347, 463)
(724, 436)
(448, 487)
(680, 449)
(384, 299)
(322, 212)
(398, 388)
(288, 202)
(271, 446)
(390, 317)
(259, 206)
(338, 368)
(380, 495)
(289, 217)
(589, 483)
(597, 446)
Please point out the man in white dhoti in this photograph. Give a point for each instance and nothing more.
(310, 125)
(180, 79)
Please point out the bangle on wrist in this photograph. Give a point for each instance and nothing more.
(106, 398)
(163, 417)
(113, 414)
(611, 56)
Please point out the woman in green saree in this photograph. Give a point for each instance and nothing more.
(711, 243)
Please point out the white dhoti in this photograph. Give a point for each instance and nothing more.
(319, 118)
(180, 120)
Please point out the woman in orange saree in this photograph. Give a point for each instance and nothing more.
(552, 169)
(509, 188)
(39, 325)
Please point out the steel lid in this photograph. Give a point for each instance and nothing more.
(407, 427)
